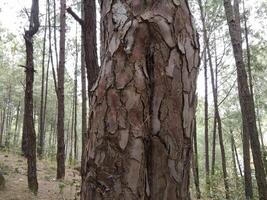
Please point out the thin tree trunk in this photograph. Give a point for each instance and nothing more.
(216, 108)
(72, 130)
(28, 129)
(40, 149)
(83, 84)
(143, 105)
(195, 162)
(245, 97)
(247, 167)
(237, 159)
(60, 94)
(233, 157)
(2, 126)
(55, 32)
(16, 125)
(206, 119)
(75, 98)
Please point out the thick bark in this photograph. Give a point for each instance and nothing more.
(28, 122)
(143, 104)
(60, 94)
(245, 97)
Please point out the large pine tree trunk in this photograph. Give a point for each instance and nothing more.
(60, 95)
(245, 97)
(143, 103)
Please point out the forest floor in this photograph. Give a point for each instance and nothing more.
(14, 168)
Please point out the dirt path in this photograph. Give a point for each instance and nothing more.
(14, 169)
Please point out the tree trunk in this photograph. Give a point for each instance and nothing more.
(216, 107)
(207, 165)
(83, 85)
(245, 97)
(90, 48)
(60, 95)
(3, 119)
(15, 139)
(75, 98)
(195, 162)
(247, 167)
(40, 149)
(28, 125)
(143, 105)
(237, 159)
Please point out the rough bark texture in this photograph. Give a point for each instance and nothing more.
(60, 94)
(28, 123)
(143, 103)
(245, 97)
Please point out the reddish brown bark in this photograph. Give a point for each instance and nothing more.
(143, 104)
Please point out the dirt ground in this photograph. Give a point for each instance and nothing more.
(14, 168)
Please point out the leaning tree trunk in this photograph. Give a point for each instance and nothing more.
(143, 103)
(60, 94)
(245, 97)
(28, 123)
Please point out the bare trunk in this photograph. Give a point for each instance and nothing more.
(2, 126)
(15, 140)
(83, 84)
(245, 97)
(75, 99)
(60, 95)
(40, 149)
(195, 163)
(28, 125)
(143, 105)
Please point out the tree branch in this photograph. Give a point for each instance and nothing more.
(75, 16)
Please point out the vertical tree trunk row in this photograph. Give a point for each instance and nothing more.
(245, 98)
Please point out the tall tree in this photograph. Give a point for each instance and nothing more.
(206, 120)
(195, 162)
(215, 99)
(245, 97)
(75, 97)
(60, 94)
(83, 87)
(28, 122)
(143, 105)
(40, 148)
